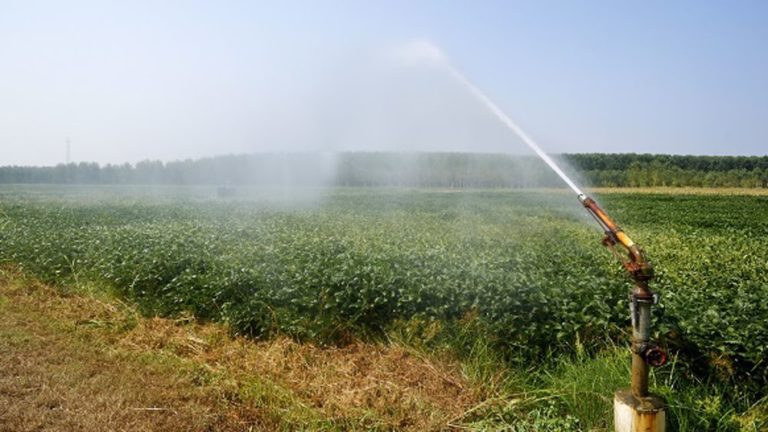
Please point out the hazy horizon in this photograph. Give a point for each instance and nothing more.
(525, 154)
(187, 80)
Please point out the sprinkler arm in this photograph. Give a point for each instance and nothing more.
(638, 266)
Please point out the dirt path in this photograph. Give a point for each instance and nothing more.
(77, 363)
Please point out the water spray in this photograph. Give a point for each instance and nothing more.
(504, 118)
(635, 409)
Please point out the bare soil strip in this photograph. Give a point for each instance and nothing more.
(72, 362)
(682, 190)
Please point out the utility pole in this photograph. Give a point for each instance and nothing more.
(68, 151)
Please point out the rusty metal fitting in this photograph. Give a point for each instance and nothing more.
(642, 294)
(654, 356)
(651, 353)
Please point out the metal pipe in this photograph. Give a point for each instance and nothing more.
(641, 298)
(640, 306)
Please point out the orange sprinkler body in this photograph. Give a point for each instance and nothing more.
(635, 262)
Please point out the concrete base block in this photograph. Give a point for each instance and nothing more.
(638, 415)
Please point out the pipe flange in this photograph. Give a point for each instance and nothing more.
(651, 353)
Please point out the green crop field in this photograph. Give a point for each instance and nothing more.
(521, 273)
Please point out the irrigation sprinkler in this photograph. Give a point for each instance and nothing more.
(635, 409)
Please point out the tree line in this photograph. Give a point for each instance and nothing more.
(450, 170)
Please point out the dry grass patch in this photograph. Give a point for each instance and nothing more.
(76, 362)
(682, 190)
(389, 385)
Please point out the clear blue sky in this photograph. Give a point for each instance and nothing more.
(127, 81)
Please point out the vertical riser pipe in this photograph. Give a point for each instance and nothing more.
(641, 335)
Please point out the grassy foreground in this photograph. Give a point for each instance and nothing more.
(77, 359)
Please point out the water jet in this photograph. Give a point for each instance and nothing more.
(635, 409)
